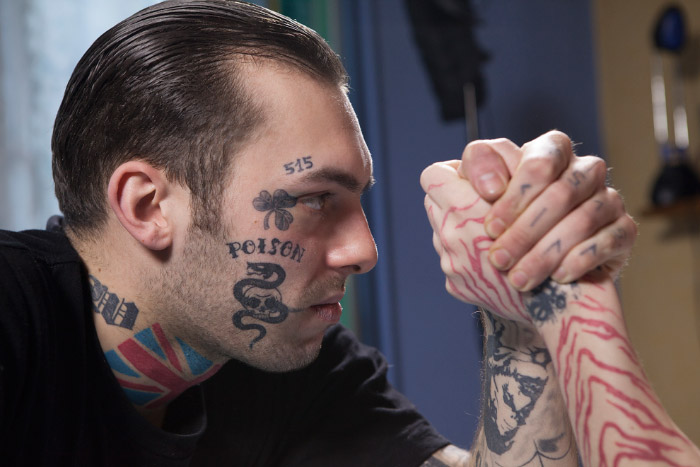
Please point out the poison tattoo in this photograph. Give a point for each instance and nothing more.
(264, 246)
(277, 203)
(115, 311)
(261, 298)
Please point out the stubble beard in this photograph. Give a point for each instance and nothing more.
(199, 304)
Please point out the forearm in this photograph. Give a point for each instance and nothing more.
(617, 417)
(524, 419)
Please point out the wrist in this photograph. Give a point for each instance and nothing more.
(552, 306)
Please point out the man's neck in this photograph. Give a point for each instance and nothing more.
(153, 360)
(152, 365)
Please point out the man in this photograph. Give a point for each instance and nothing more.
(574, 334)
(210, 168)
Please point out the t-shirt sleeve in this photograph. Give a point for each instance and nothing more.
(340, 411)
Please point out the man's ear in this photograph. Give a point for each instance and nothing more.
(140, 196)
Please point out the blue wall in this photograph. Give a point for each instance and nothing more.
(541, 76)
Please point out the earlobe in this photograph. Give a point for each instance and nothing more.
(136, 194)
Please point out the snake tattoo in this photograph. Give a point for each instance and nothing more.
(260, 298)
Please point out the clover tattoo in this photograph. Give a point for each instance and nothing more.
(278, 204)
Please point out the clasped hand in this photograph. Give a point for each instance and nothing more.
(552, 216)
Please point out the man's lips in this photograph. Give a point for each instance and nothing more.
(329, 312)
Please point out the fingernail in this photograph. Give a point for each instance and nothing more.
(560, 275)
(491, 183)
(500, 258)
(519, 279)
(495, 227)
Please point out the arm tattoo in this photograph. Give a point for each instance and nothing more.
(521, 421)
(115, 311)
(261, 299)
(277, 204)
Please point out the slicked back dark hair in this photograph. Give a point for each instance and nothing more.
(168, 86)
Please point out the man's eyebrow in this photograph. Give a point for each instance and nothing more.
(342, 178)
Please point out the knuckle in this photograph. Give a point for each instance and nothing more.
(629, 229)
(577, 264)
(558, 135)
(446, 265)
(561, 194)
(587, 224)
(615, 200)
(516, 241)
(449, 237)
(542, 168)
(597, 169)
(505, 209)
(427, 176)
(475, 153)
(561, 141)
(536, 267)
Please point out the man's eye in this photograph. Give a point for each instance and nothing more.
(316, 202)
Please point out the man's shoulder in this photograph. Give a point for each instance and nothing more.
(36, 245)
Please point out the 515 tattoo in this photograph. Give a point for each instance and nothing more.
(299, 165)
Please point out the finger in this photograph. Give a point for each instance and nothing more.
(608, 248)
(584, 177)
(443, 185)
(487, 164)
(436, 175)
(543, 161)
(581, 224)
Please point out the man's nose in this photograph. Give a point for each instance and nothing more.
(354, 250)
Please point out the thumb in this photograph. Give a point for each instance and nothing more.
(486, 165)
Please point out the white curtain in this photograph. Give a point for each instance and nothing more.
(40, 43)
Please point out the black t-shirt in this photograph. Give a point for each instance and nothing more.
(61, 405)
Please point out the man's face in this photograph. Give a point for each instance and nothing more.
(294, 229)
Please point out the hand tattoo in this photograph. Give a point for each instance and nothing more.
(547, 300)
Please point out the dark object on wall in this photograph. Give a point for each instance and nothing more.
(669, 33)
(674, 183)
(444, 32)
(677, 178)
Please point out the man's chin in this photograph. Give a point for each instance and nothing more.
(279, 361)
